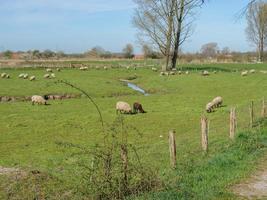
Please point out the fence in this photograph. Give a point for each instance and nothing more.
(235, 120)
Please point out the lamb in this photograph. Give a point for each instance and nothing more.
(49, 70)
(47, 76)
(217, 101)
(32, 78)
(137, 107)
(39, 100)
(244, 73)
(123, 107)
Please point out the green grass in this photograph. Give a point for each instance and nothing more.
(29, 135)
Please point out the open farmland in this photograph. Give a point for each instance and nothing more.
(30, 135)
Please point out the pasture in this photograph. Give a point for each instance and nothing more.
(30, 135)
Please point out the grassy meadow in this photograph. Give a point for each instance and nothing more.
(30, 135)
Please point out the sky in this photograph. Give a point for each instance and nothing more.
(75, 26)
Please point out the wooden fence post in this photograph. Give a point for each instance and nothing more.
(251, 110)
(204, 133)
(263, 111)
(232, 123)
(172, 147)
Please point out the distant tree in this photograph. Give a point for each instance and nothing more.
(225, 51)
(166, 24)
(209, 49)
(48, 54)
(36, 54)
(128, 51)
(257, 26)
(7, 54)
(60, 54)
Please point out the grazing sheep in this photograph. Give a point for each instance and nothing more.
(8, 76)
(21, 75)
(137, 107)
(3, 75)
(105, 67)
(123, 107)
(127, 67)
(172, 73)
(49, 70)
(209, 107)
(83, 68)
(58, 69)
(263, 71)
(32, 78)
(52, 75)
(47, 76)
(205, 73)
(187, 72)
(252, 71)
(244, 73)
(39, 100)
(25, 76)
(179, 72)
(217, 101)
(154, 69)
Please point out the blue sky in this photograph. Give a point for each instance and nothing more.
(78, 25)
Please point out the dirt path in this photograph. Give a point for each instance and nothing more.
(254, 187)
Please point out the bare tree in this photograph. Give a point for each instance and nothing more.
(209, 50)
(257, 26)
(128, 51)
(165, 24)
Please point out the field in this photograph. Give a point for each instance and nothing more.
(30, 135)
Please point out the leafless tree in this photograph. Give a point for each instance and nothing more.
(257, 26)
(166, 24)
(209, 50)
(128, 51)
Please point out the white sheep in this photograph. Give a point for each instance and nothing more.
(187, 72)
(217, 101)
(39, 100)
(105, 67)
(83, 68)
(32, 78)
(47, 76)
(179, 72)
(58, 69)
(123, 107)
(154, 69)
(205, 73)
(209, 107)
(252, 71)
(8, 76)
(244, 73)
(3, 75)
(25, 76)
(49, 70)
(21, 75)
(172, 73)
(52, 75)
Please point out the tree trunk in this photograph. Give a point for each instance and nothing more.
(169, 37)
(178, 35)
